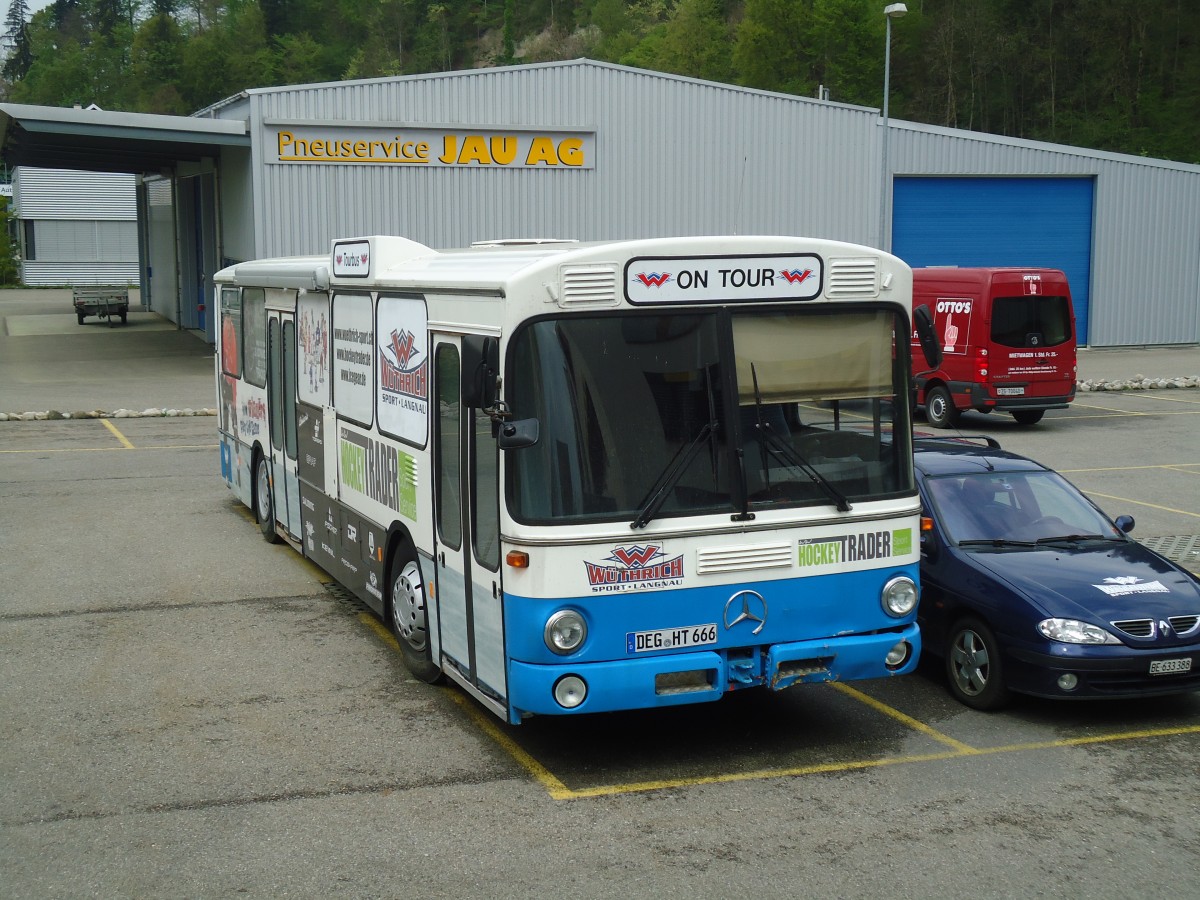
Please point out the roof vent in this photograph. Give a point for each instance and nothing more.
(854, 277)
(588, 285)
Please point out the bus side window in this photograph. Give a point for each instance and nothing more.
(449, 429)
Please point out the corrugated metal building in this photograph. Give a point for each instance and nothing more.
(664, 155)
(76, 228)
(592, 151)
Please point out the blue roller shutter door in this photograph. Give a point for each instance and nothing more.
(999, 222)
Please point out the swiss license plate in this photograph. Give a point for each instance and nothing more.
(1170, 666)
(670, 638)
(1010, 392)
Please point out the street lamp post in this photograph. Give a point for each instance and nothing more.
(891, 11)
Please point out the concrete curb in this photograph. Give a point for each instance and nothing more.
(54, 414)
(1138, 383)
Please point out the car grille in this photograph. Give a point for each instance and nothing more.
(1148, 628)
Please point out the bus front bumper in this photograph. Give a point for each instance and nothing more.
(674, 679)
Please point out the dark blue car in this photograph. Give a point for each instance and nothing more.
(1026, 586)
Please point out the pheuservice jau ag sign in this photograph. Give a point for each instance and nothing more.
(358, 145)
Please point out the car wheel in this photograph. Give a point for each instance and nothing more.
(973, 666)
(264, 507)
(939, 408)
(408, 615)
(1028, 416)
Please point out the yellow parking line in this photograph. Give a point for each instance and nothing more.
(1132, 414)
(1140, 395)
(558, 790)
(905, 719)
(1126, 412)
(1125, 468)
(114, 449)
(1170, 509)
(120, 437)
(861, 764)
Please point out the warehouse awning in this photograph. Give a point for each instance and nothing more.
(96, 140)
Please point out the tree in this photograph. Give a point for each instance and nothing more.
(16, 36)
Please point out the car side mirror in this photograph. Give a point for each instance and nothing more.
(1125, 524)
(923, 323)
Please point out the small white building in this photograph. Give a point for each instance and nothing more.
(76, 228)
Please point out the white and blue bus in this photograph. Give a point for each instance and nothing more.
(584, 477)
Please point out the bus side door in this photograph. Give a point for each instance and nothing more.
(281, 386)
(467, 511)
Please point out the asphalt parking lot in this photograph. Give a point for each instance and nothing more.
(193, 712)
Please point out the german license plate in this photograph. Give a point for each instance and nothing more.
(671, 638)
(1170, 666)
(1010, 392)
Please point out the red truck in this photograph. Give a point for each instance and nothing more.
(1008, 342)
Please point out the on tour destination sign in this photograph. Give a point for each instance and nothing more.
(337, 143)
(723, 279)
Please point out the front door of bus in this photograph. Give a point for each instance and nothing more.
(466, 496)
(281, 381)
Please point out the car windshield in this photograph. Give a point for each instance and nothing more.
(645, 415)
(1015, 506)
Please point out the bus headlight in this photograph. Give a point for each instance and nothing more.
(899, 596)
(565, 631)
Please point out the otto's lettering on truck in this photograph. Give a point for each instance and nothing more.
(954, 306)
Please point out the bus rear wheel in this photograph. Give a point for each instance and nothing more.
(264, 507)
(408, 615)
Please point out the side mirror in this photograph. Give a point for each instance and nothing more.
(513, 435)
(481, 367)
(923, 322)
(1124, 523)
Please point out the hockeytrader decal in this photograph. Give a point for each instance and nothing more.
(637, 568)
(847, 551)
(378, 471)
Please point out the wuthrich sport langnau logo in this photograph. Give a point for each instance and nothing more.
(636, 568)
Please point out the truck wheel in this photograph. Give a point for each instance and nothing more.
(124, 317)
(80, 316)
(264, 507)
(1028, 416)
(939, 408)
(408, 614)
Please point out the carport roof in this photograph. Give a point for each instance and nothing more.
(96, 140)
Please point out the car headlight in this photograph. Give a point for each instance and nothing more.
(565, 631)
(899, 596)
(1072, 631)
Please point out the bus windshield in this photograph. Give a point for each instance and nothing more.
(651, 415)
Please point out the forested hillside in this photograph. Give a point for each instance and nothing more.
(1119, 75)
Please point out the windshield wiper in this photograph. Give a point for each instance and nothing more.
(996, 542)
(679, 463)
(789, 455)
(1071, 538)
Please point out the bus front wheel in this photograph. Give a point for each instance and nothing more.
(264, 507)
(408, 615)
